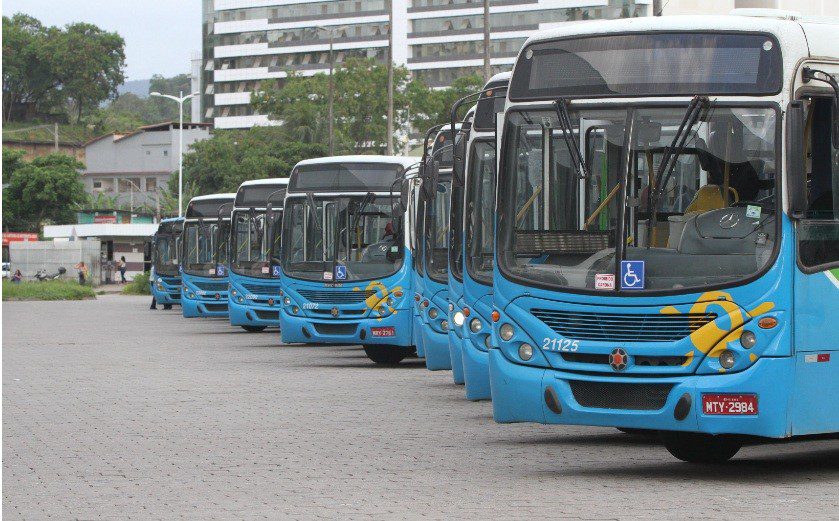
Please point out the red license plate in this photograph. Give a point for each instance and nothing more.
(383, 331)
(729, 404)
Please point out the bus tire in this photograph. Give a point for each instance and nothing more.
(167, 306)
(694, 447)
(254, 329)
(385, 355)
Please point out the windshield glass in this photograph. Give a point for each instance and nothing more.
(340, 238)
(437, 233)
(166, 255)
(456, 235)
(480, 211)
(201, 241)
(418, 235)
(714, 211)
(252, 243)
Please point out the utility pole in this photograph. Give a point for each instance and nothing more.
(390, 78)
(487, 67)
(180, 101)
(55, 135)
(331, 92)
(657, 7)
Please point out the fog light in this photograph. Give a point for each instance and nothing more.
(506, 332)
(295, 310)
(390, 302)
(240, 300)
(486, 341)
(475, 325)
(727, 359)
(160, 286)
(191, 295)
(748, 339)
(432, 313)
(234, 292)
(445, 325)
(458, 319)
(159, 279)
(451, 307)
(382, 310)
(287, 301)
(525, 352)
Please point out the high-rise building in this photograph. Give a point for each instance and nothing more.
(247, 42)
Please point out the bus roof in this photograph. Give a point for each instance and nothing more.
(210, 197)
(279, 181)
(171, 220)
(821, 29)
(255, 193)
(404, 161)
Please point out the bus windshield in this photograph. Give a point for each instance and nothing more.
(707, 221)
(253, 241)
(166, 255)
(202, 239)
(437, 233)
(355, 231)
(480, 211)
(456, 236)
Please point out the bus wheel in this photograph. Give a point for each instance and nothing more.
(700, 448)
(385, 355)
(254, 329)
(167, 306)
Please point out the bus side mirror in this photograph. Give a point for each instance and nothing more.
(429, 183)
(796, 160)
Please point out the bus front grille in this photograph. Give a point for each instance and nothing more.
(263, 289)
(627, 396)
(211, 286)
(615, 327)
(261, 314)
(172, 281)
(215, 307)
(336, 297)
(639, 360)
(335, 329)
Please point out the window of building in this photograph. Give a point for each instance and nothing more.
(131, 184)
(151, 184)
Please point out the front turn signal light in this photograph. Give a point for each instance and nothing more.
(767, 322)
(496, 316)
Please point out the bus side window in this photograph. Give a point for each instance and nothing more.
(818, 232)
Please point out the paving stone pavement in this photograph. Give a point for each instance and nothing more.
(112, 411)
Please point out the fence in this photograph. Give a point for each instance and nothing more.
(31, 257)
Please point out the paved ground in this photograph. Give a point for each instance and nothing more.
(113, 411)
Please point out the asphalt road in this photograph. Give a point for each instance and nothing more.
(114, 411)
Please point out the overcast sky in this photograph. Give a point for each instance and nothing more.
(160, 35)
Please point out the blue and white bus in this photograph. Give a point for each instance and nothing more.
(667, 235)
(345, 263)
(204, 247)
(472, 314)
(254, 298)
(165, 278)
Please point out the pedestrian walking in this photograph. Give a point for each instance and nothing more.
(121, 266)
(82, 272)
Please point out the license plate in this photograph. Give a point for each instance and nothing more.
(729, 404)
(383, 331)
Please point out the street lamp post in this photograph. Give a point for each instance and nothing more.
(331, 31)
(180, 101)
(389, 78)
(487, 67)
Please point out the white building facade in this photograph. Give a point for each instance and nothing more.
(247, 42)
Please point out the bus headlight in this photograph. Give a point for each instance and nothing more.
(432, 313)
(727, 359)
(240, 300)
(458, 319)
(234, 292)
(747, 339)
(295, 310)
(486, 342)
(506, 332)
(160, 286)
(191, 295)
(526, 352)
(159, 280)
(287, 301)
(475, 325)
(445, 325)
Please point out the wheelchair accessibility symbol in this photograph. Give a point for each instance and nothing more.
(220, 271)
(632, 274)
(340, 273)
(275, 271)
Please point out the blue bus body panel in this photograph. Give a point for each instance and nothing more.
(348, 312)
(210, 296)
(417, 310)
(578, 370)
(171, 292)
(455, 335)
(435, 340)
(478, 298)
(257, 302)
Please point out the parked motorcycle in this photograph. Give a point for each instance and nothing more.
(44, 276)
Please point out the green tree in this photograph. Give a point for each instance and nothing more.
(29, 76)
(90, 63)
(165, 109)
(44, 191)
(223, 162)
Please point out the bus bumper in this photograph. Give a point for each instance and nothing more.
(520, 393)
(306, 330)
(436, 344)
(456, 357)
(475, 371)
(167, 296)
(203, 308)
(252, 315)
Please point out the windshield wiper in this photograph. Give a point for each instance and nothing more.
(671, 154)
(368, 198)
(310, 200)
(561, 108)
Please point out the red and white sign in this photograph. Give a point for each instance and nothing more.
(9, 237)
(604, 281)
(817, 358)
(729, 404)
(105, 219)
(383, 331)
